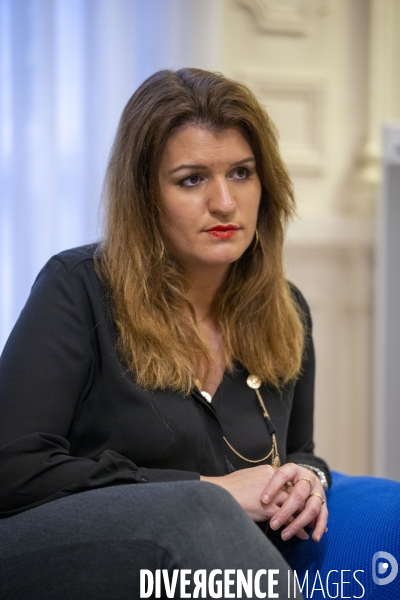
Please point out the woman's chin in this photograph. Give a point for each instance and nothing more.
(226, 256)
(218, 255)
(218, 259)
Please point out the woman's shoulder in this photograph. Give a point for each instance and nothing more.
(70, 272)
(297, 295)
(301, 303)
(73, 257)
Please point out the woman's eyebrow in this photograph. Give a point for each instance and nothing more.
(243, 160)
(186, 167)
(199, 167)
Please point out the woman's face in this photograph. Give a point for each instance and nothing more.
(209, 195)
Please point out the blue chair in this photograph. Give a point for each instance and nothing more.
(364, 518)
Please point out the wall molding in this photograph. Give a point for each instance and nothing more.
(288, 17)
(335, 273)
(296, 103)
(384, 86)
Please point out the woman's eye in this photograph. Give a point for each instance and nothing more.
(241, 173)
(190, 181)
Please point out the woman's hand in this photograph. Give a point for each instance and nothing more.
(310, 511)
(247, 485)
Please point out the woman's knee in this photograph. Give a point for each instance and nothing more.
(194, 508)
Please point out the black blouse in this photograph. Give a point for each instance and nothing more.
(72, 417)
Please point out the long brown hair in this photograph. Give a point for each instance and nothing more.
(254, 309)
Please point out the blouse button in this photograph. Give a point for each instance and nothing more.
(206, 395)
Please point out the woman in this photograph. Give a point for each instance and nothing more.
(174, 350)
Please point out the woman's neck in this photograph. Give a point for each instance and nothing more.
(203, 286)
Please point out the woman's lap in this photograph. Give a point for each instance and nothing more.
(92, 545)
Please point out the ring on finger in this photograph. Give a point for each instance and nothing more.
(320, 496)
(308, 480)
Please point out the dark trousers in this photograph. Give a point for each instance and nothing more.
(92, 545)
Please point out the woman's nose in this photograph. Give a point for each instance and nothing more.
(221, 198)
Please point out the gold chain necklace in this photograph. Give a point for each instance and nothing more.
(254, 382)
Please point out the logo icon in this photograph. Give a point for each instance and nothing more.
(382, 567)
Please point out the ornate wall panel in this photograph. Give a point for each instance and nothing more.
(384, 83)
(294, 17)
(296, 104)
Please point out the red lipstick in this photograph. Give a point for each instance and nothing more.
(223, 232)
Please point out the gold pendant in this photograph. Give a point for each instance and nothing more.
(254, 382)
